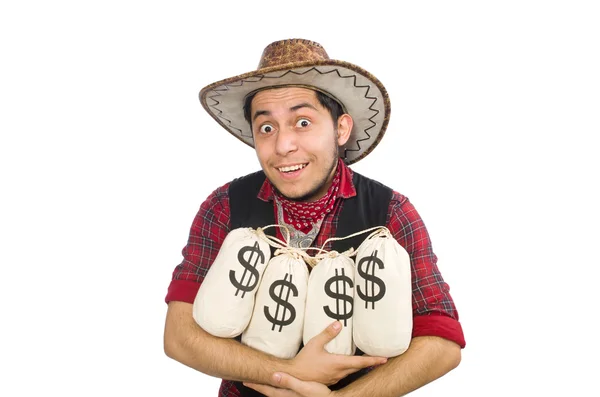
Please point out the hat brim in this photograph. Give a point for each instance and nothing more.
(362, 95)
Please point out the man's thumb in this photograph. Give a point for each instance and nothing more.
(329, 333)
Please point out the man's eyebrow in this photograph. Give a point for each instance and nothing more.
(260, 113)
(303, 105)
(293, 109)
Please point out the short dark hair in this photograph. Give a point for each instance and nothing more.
(333, 106)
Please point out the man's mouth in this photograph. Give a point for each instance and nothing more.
(292, 168)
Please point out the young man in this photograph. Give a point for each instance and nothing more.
(308, 117)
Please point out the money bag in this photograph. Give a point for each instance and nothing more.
(382, 296)
(330, 298)
(223, 305)
(278, 317)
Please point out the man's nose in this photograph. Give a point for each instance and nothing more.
(286, 141)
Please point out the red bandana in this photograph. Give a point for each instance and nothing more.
(303, 216)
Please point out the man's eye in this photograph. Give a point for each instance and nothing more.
(266, 128)
(303, 123)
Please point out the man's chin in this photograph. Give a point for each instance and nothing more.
(299, 195)
(292, 195)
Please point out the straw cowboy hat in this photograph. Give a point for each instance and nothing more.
(304, 63)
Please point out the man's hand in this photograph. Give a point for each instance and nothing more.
(314, 363)
(288, 386)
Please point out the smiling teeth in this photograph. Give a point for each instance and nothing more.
(292, 168)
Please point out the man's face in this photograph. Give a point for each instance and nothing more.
(296, 141)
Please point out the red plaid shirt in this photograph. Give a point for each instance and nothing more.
(433, 307)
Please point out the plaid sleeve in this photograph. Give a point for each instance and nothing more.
(434, 313)
(208, 230)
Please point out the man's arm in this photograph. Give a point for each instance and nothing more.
(427, 359)
(186, 342)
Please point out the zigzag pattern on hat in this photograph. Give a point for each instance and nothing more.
(259, 78)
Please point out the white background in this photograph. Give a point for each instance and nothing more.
(106, 155)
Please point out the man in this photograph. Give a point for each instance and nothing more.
(308, 117)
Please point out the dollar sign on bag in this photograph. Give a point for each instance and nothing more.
(337, 295)
(288, 287)
(249, 266)
(368, 274)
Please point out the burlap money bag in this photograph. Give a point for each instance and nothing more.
(382, 296)
(223, 305)
(278, 316)
(330, 298)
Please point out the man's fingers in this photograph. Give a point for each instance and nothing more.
(328, 334)
(286, 381)
(350, 364)
(359, 362)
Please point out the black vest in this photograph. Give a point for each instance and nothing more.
(367, 209)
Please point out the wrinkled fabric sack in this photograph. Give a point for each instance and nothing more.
(224, 303)
(330, 298)
(382, 296)
(278, 317)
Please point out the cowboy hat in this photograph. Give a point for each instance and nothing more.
(304, 63)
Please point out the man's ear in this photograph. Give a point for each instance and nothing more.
(344, 128)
